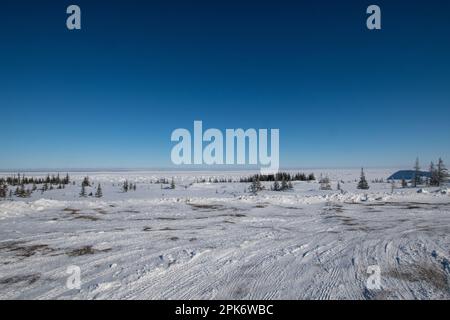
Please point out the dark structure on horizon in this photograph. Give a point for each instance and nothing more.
(408, 175)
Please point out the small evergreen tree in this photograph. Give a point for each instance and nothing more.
(284, 185)
(3, 190)
(434, 180)
(416, 178)
(125, 186)
(22, 191)
(325, 183)
(276, 186)
(362, 184)
(442, 173)
(86, 182)
(172, 184)
(255, 186)
(83, 190)
(99, 193)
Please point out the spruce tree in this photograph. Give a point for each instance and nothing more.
(324, 183)
(362, 184)
(284, 185)
(3, 190)
(416, 178)
(172, 184)
(99, 193)
(433, 175)
(22, 191)
(276, 186)
(442, 173)
(255, 186)
(83, 190)
(86, 182)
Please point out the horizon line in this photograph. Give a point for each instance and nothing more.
(186, 169)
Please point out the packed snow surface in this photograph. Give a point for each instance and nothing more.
(217, 241)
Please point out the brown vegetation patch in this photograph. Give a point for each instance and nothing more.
(29, 279)
(86, 250)
(430, 274)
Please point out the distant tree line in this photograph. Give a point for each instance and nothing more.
(280, 176)
(19, 181)
(23, 180)
(214, 180)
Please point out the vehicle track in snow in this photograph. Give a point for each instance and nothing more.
(232, 249)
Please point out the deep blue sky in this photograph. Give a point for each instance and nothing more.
(111, 94)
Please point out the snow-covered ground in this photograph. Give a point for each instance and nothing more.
(216, 241)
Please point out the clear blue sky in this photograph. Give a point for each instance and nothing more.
(110, 94)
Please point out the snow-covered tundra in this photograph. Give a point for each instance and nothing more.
(206, 240)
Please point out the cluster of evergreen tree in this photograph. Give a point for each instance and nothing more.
(214, 180)
(255, 185)
(283, 186)
(325, 183)
(20, 180)
(280, 176)
(98, 192)
(128, 186)
(3, 190)
(439, 174)
(162, 181)
(22, 192)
